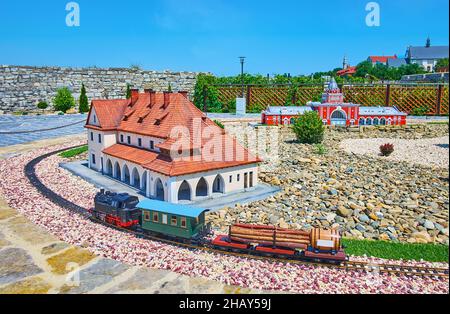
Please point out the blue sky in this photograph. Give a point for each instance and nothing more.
(284, 36)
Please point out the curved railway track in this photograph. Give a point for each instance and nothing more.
(394, 269)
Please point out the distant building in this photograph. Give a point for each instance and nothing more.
(347, 70)
(396, 63)
(426, 56)
(381, 59)
(334, 111)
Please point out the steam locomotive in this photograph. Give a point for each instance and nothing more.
(186, 224)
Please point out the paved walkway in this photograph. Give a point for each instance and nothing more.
(11, 123)
(80, 169)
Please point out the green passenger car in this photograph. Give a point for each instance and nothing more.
(172, 220)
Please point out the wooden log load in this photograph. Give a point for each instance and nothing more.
(270, 236)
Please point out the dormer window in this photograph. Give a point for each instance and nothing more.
(121, 138)
(95, 119)
(139, 142)
(129, 140)
(152, 145)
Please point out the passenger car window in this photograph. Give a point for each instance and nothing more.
(164, 219)
(155, 217)
(173, 220)
(147, 216)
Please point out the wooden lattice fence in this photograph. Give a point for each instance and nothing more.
(433, 99)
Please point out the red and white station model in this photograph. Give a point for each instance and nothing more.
(334, 111)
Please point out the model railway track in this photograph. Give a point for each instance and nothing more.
(394, 269)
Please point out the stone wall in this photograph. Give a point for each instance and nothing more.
(22, 87)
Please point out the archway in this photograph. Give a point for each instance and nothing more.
(109, 168)
(118, 171)
(144, 182)
(159, 190)
(202, 188)
(338, 117)
(136, 181)
(218, 185)
(184, 192)
(126, 175)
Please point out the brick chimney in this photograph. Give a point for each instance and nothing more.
(152, 96)
(166, 99)
(184, 93)
(134, 95)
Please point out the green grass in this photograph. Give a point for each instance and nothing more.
(395, 250)
(74, 152)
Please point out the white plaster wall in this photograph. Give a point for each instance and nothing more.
(96, 148)
(210, 176)
(134, 140)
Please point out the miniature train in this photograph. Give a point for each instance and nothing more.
(186, 224)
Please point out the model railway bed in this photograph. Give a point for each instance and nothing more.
(30, 172)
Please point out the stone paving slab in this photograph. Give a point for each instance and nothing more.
(12, 123)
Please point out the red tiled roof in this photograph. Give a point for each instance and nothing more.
(381, 59)
(133, 154)
(161, 120)
(348, 71)
(109, 112)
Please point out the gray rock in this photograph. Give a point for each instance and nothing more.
(429, 225)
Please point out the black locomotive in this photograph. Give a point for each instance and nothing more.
(118, 209)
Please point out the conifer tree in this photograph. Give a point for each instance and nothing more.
(84, 103)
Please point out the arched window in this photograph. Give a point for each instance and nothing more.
(383, 121)
(338, 114)
(109, 168)
(184, 192)
(159, 190)
(126, 174)
(376, 121)
(338, 117)
(218, 185)
(369, 121)
(118, 171)
(292, 120)
(362, 121)
(202, 188)
(389, 121)
(144, 181)
(136, 181)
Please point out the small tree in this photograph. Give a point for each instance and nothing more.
(42, 105)
(169, 89)
(63, 100)
(84, 103)
(128, 92)
(309, 128)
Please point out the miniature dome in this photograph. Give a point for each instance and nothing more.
(333, 85)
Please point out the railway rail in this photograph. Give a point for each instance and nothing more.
(384, 268)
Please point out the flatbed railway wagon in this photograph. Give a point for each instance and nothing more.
(317, 244)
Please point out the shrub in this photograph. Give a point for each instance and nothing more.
(42, 105)
(63, 100)
(84, 103)
(309, 128)
(219, 124)
(420, 111)
(386, 149)
(320, 149)
(128, 91)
